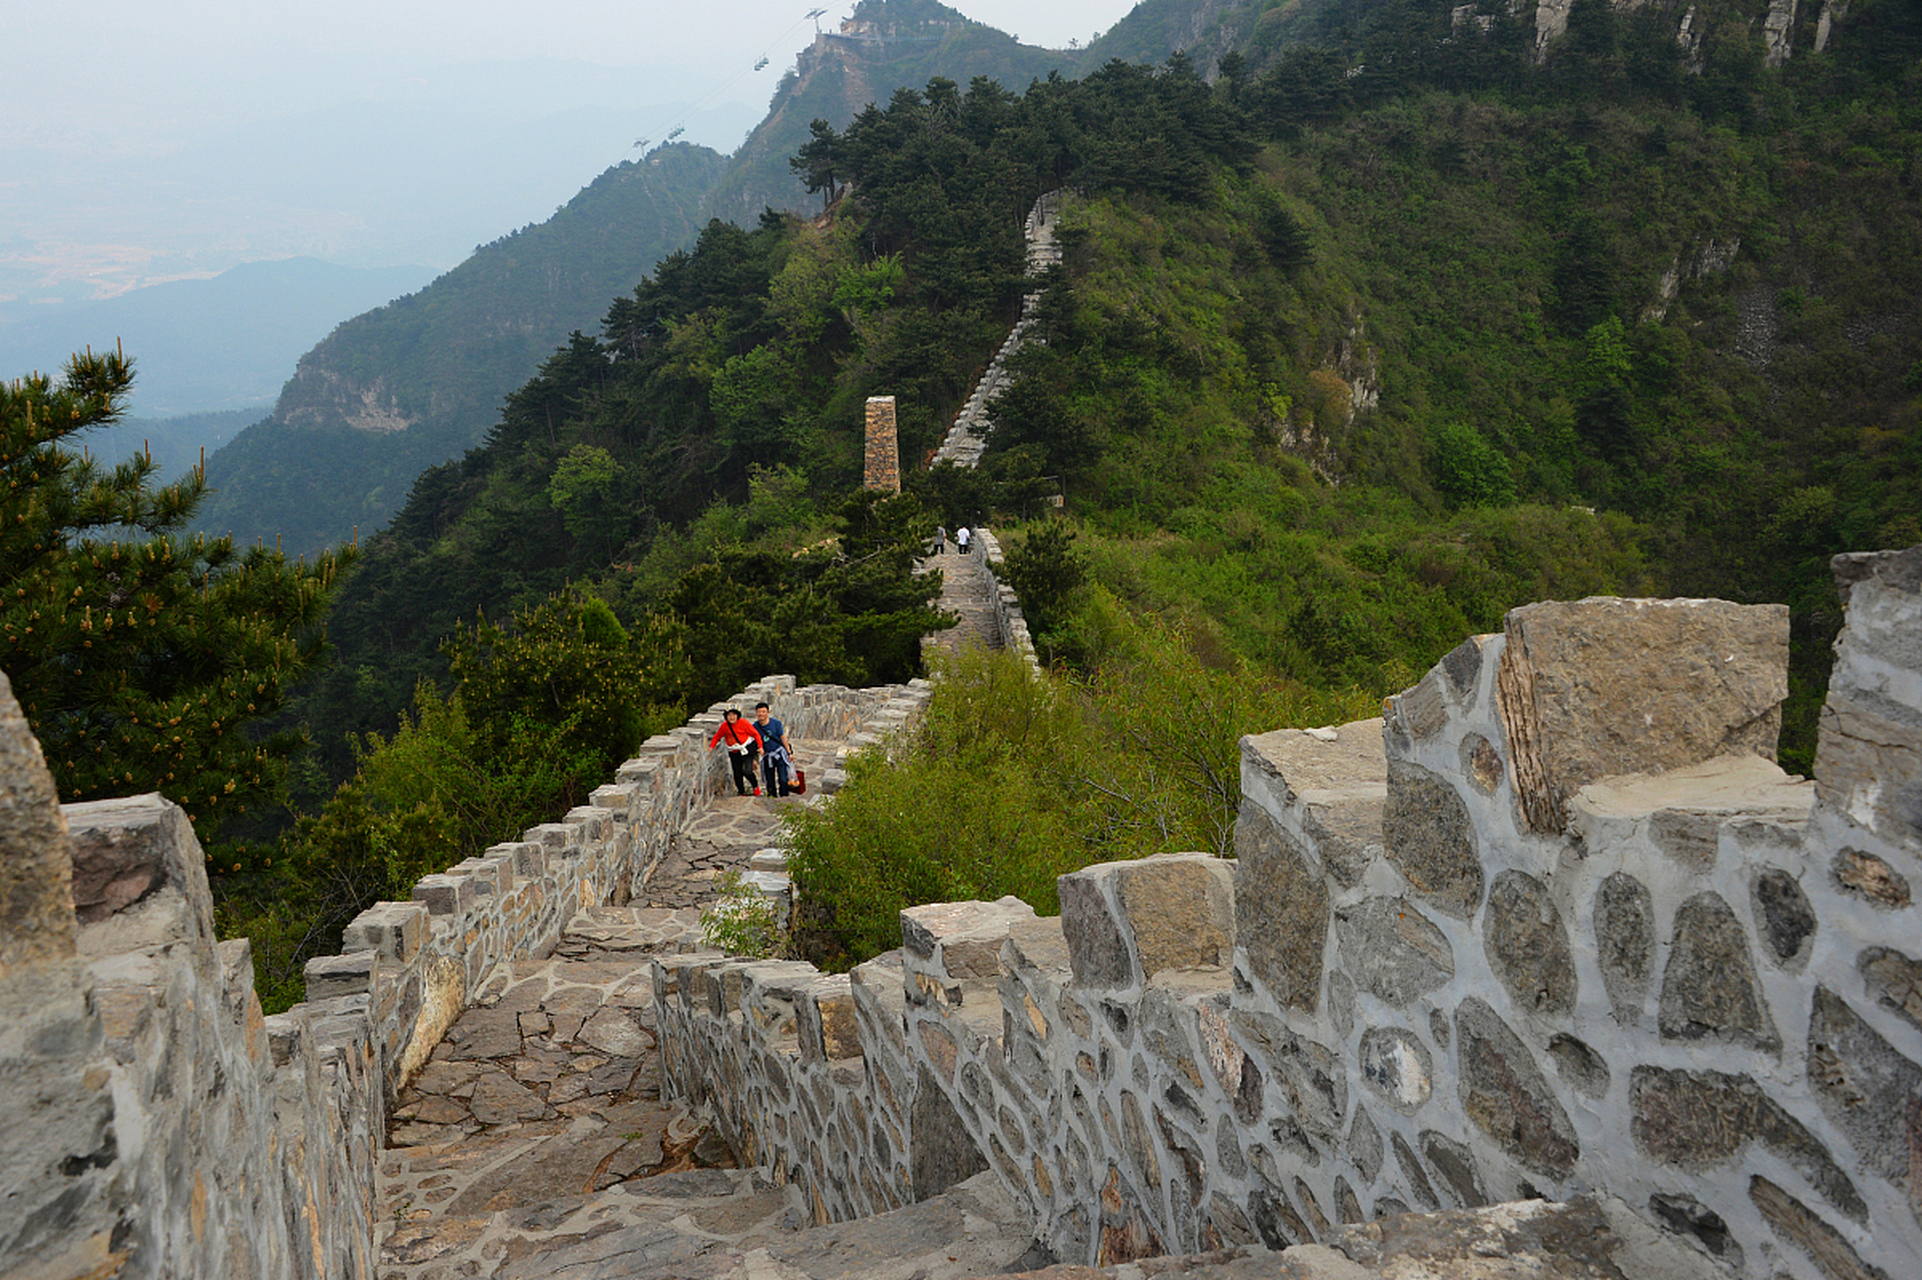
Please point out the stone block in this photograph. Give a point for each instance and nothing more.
(615, 798)
(1281, 910)
(1681, 813)
(1504, 1092)
(530, 860)
(1802, 1227)
(395, 929)
(139, 876)
(1396, 951)
(1429, 836)
(1607, 686)
(1698, 1120)
(1528, 946)
(445, 895)
(1625, 943)
(958, 942)
(1710, 990)
(1784, 920)
(1178, 907)
(353, 973)
(1329, 784)
(36, 859)
(1869, 1091)
(1397, 1067)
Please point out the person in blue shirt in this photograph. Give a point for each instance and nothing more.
(774, 754)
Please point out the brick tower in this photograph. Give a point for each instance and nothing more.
(883, 454)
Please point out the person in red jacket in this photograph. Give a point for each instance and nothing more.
(743, 745)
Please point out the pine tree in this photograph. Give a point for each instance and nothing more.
(140, 657)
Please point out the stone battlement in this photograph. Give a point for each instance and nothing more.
(1554, 924)
(156, 1124)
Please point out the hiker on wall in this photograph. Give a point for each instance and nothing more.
(774, 760)
(743, 745)
(961, 537)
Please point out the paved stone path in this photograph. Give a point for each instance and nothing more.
(964, 590)
(535, 1143)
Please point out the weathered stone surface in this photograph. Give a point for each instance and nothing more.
(942, 1152)
(1625, 942)
(1870, 1092)
(1418, 712)
(1397, 952)
(1140, 1145)
(1414, 1177)
(1396, 1065)
(1583, 1239)
(36, 861)
(1710, 990)
(1783, 916)
(1347, 1204)
(1281, 910)
(1179, 908)
(1695, 1120)
(1482, 764)
(500, 1099)
(1583, 682)
(1685, 1215)
(1456, 1165)
(1427, 834)
(1275, 1219)
(1364, 1146)
(1506, 1095)
(1868, 766)
(1341, 1002)
(1796, 1223)
(1527, 945)
(967, 935)
(1584, 1069)
(1096, 949)
(1330, 782)
(1894, 981)
(1868, 876)
(1687, 813)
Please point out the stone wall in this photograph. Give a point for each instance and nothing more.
(1556, 923)
(417, 961)
(153, 1123)
(1010, 624)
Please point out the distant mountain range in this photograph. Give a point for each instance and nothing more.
(206, 345)
(417, 382)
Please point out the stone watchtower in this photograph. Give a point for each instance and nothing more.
(883, 454)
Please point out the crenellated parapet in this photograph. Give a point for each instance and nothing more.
(156, 1124)
(1554, 925)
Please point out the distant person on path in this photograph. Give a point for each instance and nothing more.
(961, 540)
(743, 744)
(940, 540)
(774, 758)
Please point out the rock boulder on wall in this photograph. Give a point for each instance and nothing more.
(1605, 686)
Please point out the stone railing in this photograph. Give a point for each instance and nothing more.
(156, 1124)
(1010, 624)
(967, 436)
(1556, 923)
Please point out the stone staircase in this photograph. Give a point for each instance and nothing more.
(967, 589)
(534, 1143)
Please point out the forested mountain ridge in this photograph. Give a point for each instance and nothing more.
(416, 382)
(884, 46)
(1487, 295)
(412, 383)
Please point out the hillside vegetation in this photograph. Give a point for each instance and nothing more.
(1352, 350)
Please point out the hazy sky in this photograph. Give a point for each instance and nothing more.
(143, 140)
